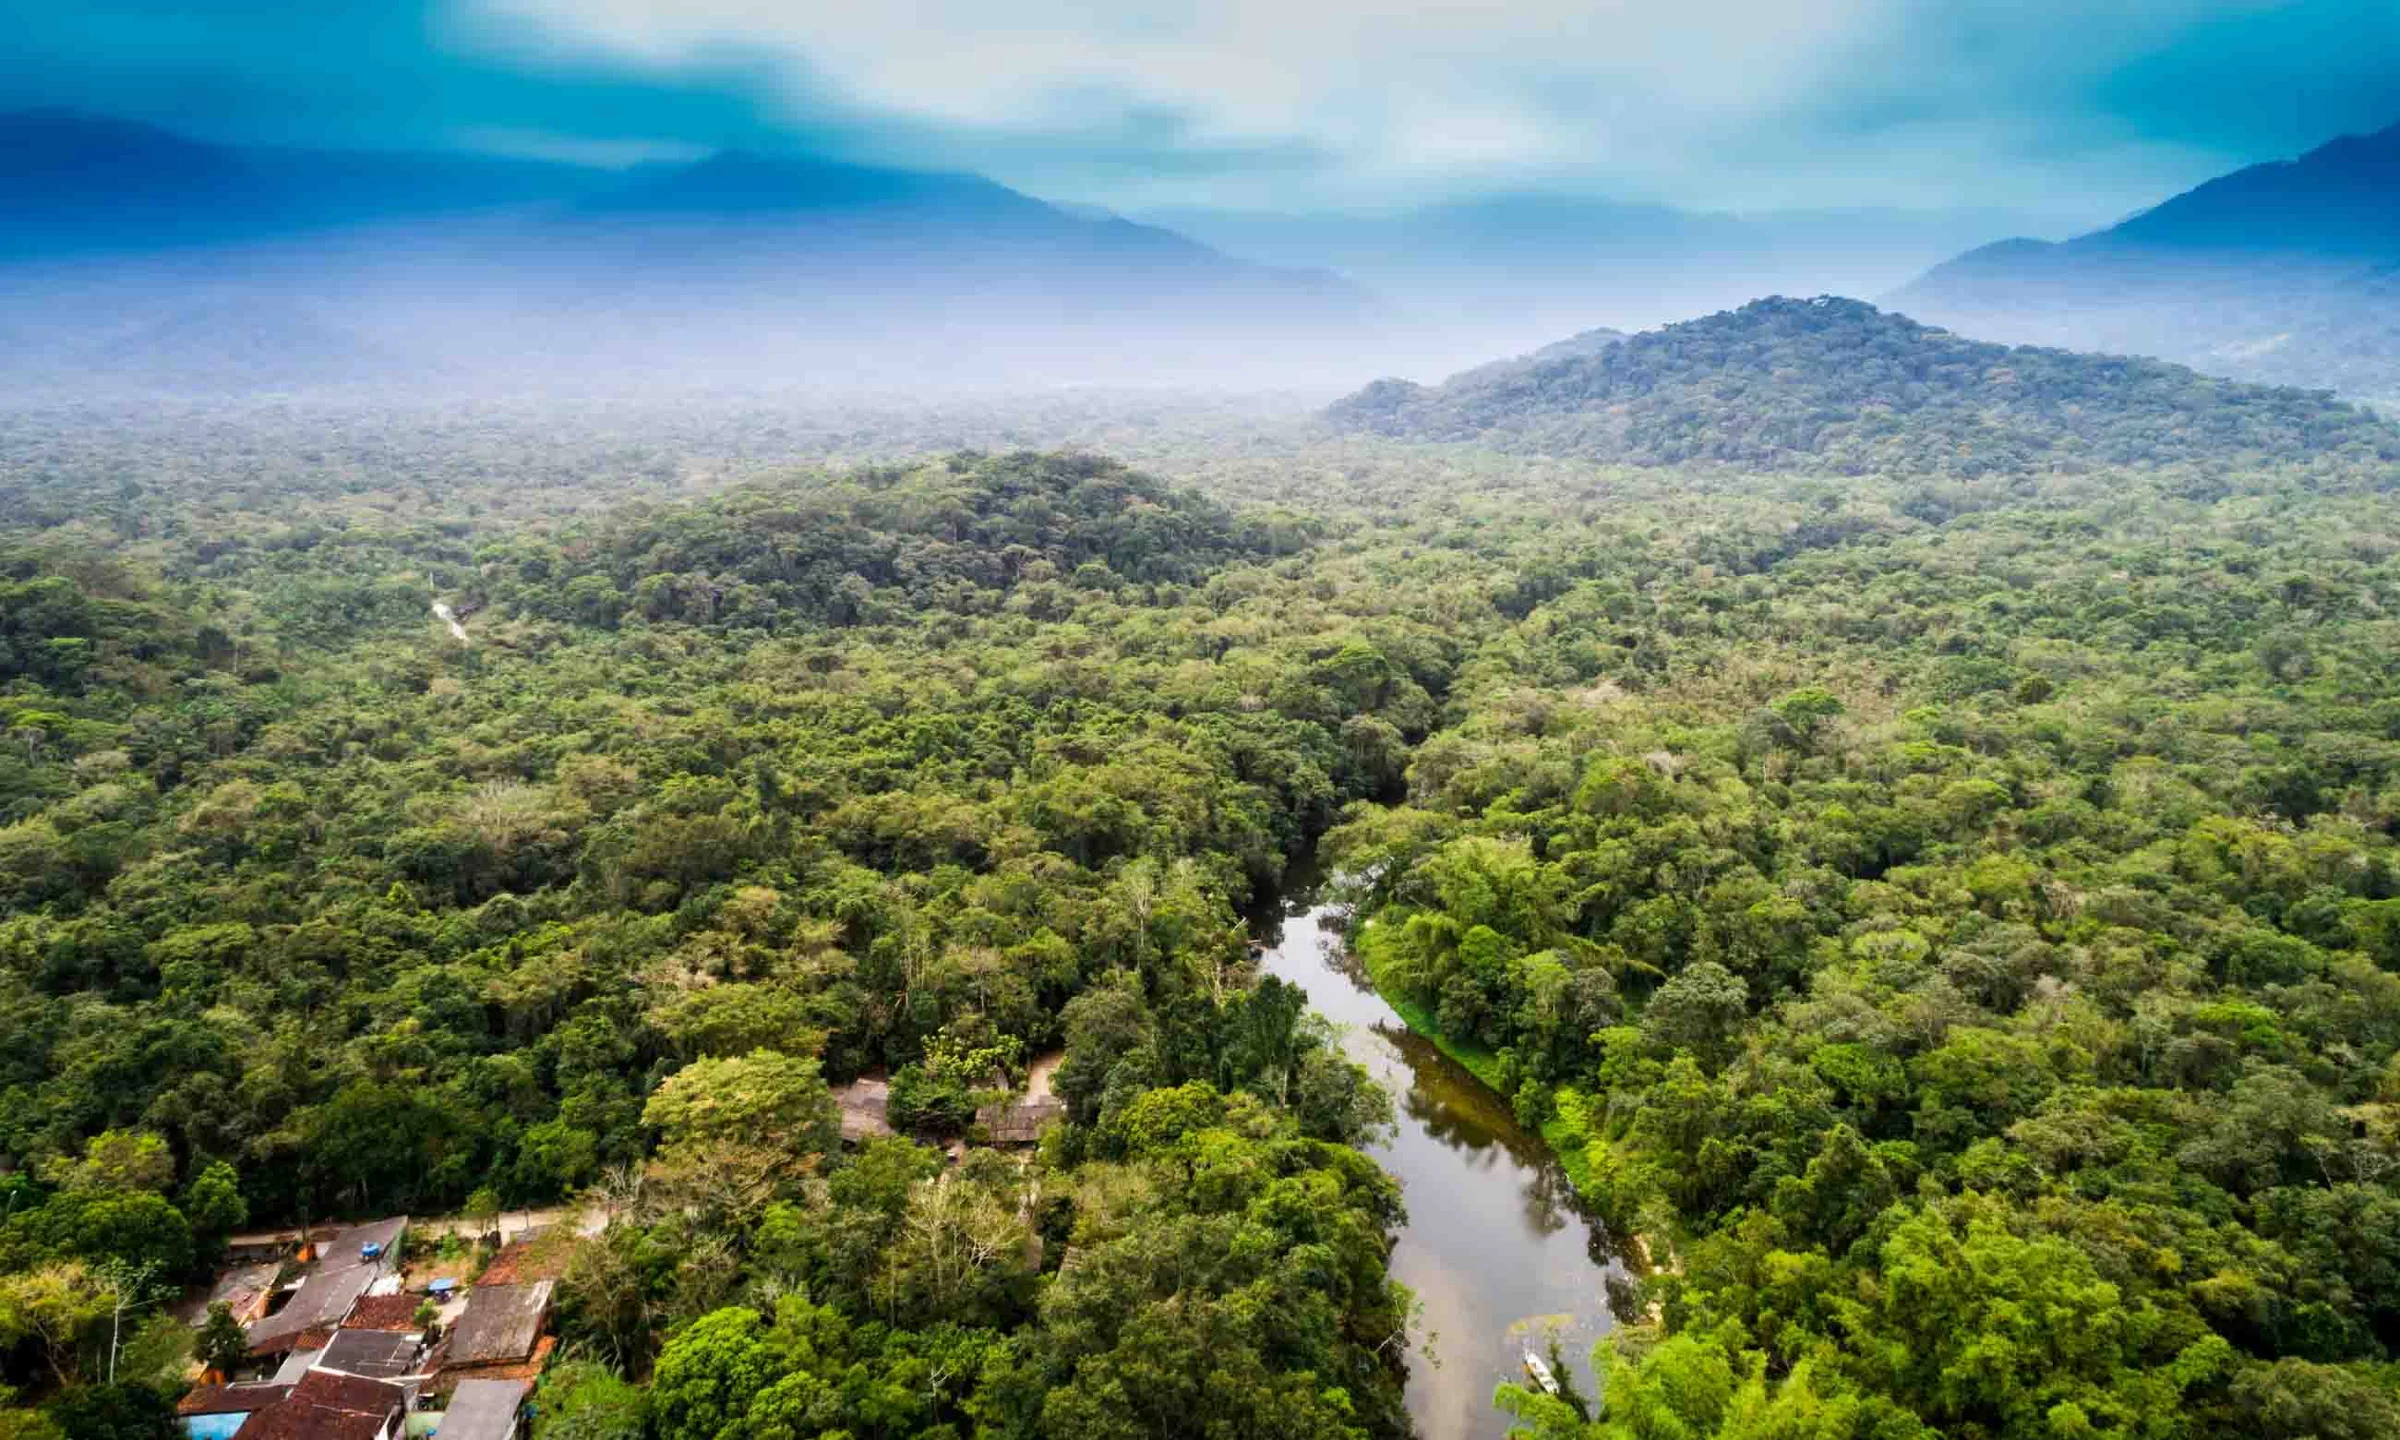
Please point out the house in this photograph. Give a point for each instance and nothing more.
(484, 1410)
(373, 1243)
(866, 1105)
(1020, 1123)
(245, 1290)
(215, 1412)
(375, 1354)
(341, 1271)
(321, 1304)
(259, 1246)
(501, 1325)
(385, 1312)
(328, 1405)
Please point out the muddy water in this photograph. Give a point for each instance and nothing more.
(1493, 1245)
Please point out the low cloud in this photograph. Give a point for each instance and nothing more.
(2053, 107)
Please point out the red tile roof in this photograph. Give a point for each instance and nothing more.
(385, 1312)
(230, 1399)
(328, 1406)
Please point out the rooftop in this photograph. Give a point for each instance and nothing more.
(866, 1106)
(328, 1406)
(385, 1312)
(323, 1299)
(500, 1325)
(349, 1247)
(377, 1354)
(482, 1410)
(1021, 1123)
(230, 1399)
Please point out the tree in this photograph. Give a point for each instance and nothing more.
(219, 1344)
(708, 1375)
(213, 1202)
(1697, 1010)
(483, 1210)
(114, 1412)
(736, 1134)
(581, 1400)
(119, 1161)
(57, 1308)
(765, 1097)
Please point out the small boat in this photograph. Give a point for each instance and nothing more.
(1538, 1371)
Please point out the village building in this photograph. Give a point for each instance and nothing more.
(484, 1410)
(215, 1412)
(328, 1405)
(865, 1105)
(501, 1328)
(375, 1354)
(1019, 1123)
(396, 1311)
(340, 1272)
(243, 1289)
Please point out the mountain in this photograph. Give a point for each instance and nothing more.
(73, 185)
(70, 183)
(1501, 272)
(2286, 272)
(1838, 385)
(739, 269)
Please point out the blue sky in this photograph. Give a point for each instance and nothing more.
(2074, 108)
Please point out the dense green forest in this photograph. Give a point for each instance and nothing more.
(1947, 916)
(1838, 386)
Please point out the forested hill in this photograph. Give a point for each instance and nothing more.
(809, 549)
(1833, 384)
(2283, 272)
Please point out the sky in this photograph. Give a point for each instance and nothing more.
(2079, 109)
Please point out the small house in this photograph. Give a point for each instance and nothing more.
(328, 1405)
(385, 1312)
(502, 1325)
(1019, 1124)
(215, 1412)
(375, 1354)
(484, 1410)
(865, 1105)
(342, 1269)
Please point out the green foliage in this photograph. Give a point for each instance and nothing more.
(1947, 909)
(114, 1412)
(1835, 385)
(580, 1400)
(219, 1343)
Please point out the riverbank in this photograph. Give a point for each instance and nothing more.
(1496, 1247)
(1565, 1131)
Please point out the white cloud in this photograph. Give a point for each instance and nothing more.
(1727, 103)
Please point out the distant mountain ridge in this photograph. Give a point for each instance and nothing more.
(740, 268)
(1505, 270)
(2286, 272)
(1838, 385)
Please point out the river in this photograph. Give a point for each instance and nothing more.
(1493, 1246)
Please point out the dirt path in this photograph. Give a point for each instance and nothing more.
(587, 1220)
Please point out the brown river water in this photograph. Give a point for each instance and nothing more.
(1494, 1247)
